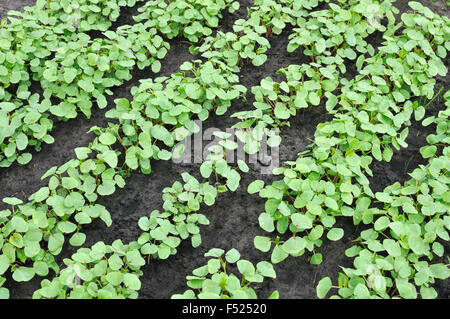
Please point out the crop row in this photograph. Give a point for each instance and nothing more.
(393, 257)
(305, 216)
(371, 114)
(45, 45)
(216, 164)
(44, 33)
(161, 113)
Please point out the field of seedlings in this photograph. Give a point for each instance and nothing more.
(289, 149)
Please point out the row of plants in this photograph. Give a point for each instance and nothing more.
(113, 271)
(330, 180)
(74, 70)
(159, 114)
(393, 257)
(68, 202)
(29, 43)
(27, 40)
(148, 99)
(330, 50)
(229, 276)
(80, 73)
(193, 19)
(309, 206)
(248, 43)
(232, 182)
(406, 223)
(82, 70)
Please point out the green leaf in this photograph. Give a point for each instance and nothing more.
(115, 278)
(21, 141)
(213, 266)
(101, 101)
(232, 256)
(17, 240)
(110, 157)
(255, 186)
(86, 85)
(107, 138)
(49, 74)
(41, 194)
(19, 224)
(243, 166)
(115, 262)
(55, 243)
(382, 223)
(440, 271)
(24, 158)
(266, 222)
(428, 292)
(22, 274)
(77, 239)
(214, 252)
(206, 169)
(438, 249)
(4, 264)
(301, 221)
(246, 268)
(4, 293)
(156, 66)
(294, 245)
(106, 189)
(132, 281)
(82, 153)
(281, 111)
(316, 259)
(320, 45)
(70, 74)
(361, 292)
(193, 91)
(163, 251)
(278, 255)
(41, 268)
(392, 247)
(266, 269)
(406, 289)
(335, 234)
(387, 154)
(428, 151)
(186, 66)
(164, 155)
(67, 227)
(178, 151)
(13, 201)
(262, 243)
(323, 287)
(259, 60)
(274, 295)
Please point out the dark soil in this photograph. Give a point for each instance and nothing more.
(234, 217)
